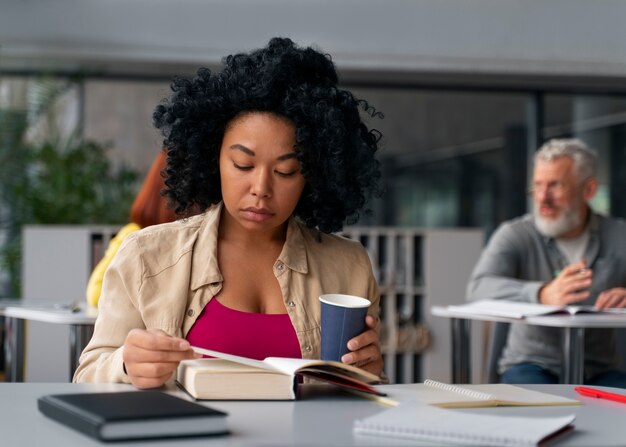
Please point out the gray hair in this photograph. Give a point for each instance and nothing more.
(584, 158)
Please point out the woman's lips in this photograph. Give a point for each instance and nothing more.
(257, 214)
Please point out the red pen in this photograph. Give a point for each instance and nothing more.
(592, 392)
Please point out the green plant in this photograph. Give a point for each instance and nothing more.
(53, 180)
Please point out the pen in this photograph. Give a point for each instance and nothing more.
(592, 392)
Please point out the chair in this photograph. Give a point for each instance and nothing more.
(497, 340)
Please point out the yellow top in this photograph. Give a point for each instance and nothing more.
(94, 286)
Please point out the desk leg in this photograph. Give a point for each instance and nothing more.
(461, 370)
(80, 334)
(14, 349)
(574, 355)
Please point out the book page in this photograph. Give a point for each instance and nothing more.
(574, 310)
(439, 395)
(221, 366)
(515, 395)
(467, 396)
(412, 420)
(293, 366)
(233, 358)
(503, 308)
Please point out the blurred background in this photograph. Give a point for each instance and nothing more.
(468, 89)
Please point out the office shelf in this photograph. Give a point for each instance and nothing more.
(417, 268)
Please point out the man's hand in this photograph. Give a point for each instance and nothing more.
(615, 297)
(570, 286)
(151, 356)
(365, 349)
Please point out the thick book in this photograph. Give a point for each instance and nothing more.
(231, 377)
(519, 310)
(133, 415)
(420, 422)
(485, 395)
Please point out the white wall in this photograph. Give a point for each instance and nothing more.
(536, 37)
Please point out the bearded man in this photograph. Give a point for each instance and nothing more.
(563, 253)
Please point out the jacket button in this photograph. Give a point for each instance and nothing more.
(190, 313)
(291, 304)
(307, 348)
(280, 266)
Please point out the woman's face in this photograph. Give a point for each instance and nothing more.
(260, 175)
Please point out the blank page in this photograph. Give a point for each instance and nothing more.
(413, 420)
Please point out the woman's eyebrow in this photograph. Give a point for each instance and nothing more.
(287, 156)
(248, 151)
(243, 149)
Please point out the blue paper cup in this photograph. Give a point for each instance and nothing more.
(343, 318)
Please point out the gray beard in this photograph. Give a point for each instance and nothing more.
(568, 220)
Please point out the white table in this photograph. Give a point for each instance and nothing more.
(573, 341)
(81, 321)
(320, 419)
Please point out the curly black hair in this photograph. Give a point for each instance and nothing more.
(335, 149)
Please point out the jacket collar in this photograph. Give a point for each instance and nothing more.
(293, 254)
(204, 267)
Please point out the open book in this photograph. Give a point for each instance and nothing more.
(231, 377)
(485, 395)
(416, 421)
(517, 309)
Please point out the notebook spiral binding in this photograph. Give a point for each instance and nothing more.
(459, 389)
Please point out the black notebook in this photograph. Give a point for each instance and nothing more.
(132, 415)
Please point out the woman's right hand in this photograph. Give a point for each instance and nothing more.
(151, 356)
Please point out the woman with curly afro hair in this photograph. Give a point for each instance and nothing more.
(278, 157)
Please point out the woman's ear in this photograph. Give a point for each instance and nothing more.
(590, 188)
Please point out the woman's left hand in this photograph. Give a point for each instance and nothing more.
(365, 349)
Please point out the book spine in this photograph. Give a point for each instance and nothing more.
(459, 390)
(69, 418)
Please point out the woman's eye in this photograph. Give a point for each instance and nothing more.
(242, 168)
(285, 174)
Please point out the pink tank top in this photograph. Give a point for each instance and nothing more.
(247, 334)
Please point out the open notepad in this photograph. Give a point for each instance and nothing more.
(484, 395)
(516, 309)
(417, 421)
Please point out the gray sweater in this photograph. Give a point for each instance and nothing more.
(518, 260)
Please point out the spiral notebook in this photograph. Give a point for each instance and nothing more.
(485, 395)
(417, 421)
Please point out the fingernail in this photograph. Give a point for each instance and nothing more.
(352, 345)
(184, 344)
(347, 358)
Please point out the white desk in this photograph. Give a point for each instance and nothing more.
(80, 320)
(321, 419)
(573, 340)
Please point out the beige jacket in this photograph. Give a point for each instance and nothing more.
(164, 275)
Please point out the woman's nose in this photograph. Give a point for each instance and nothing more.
(262, 184)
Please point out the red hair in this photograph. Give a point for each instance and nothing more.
(150, 207)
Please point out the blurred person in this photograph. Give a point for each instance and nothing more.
(562, 254)
(283, 158)
(149, 208)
